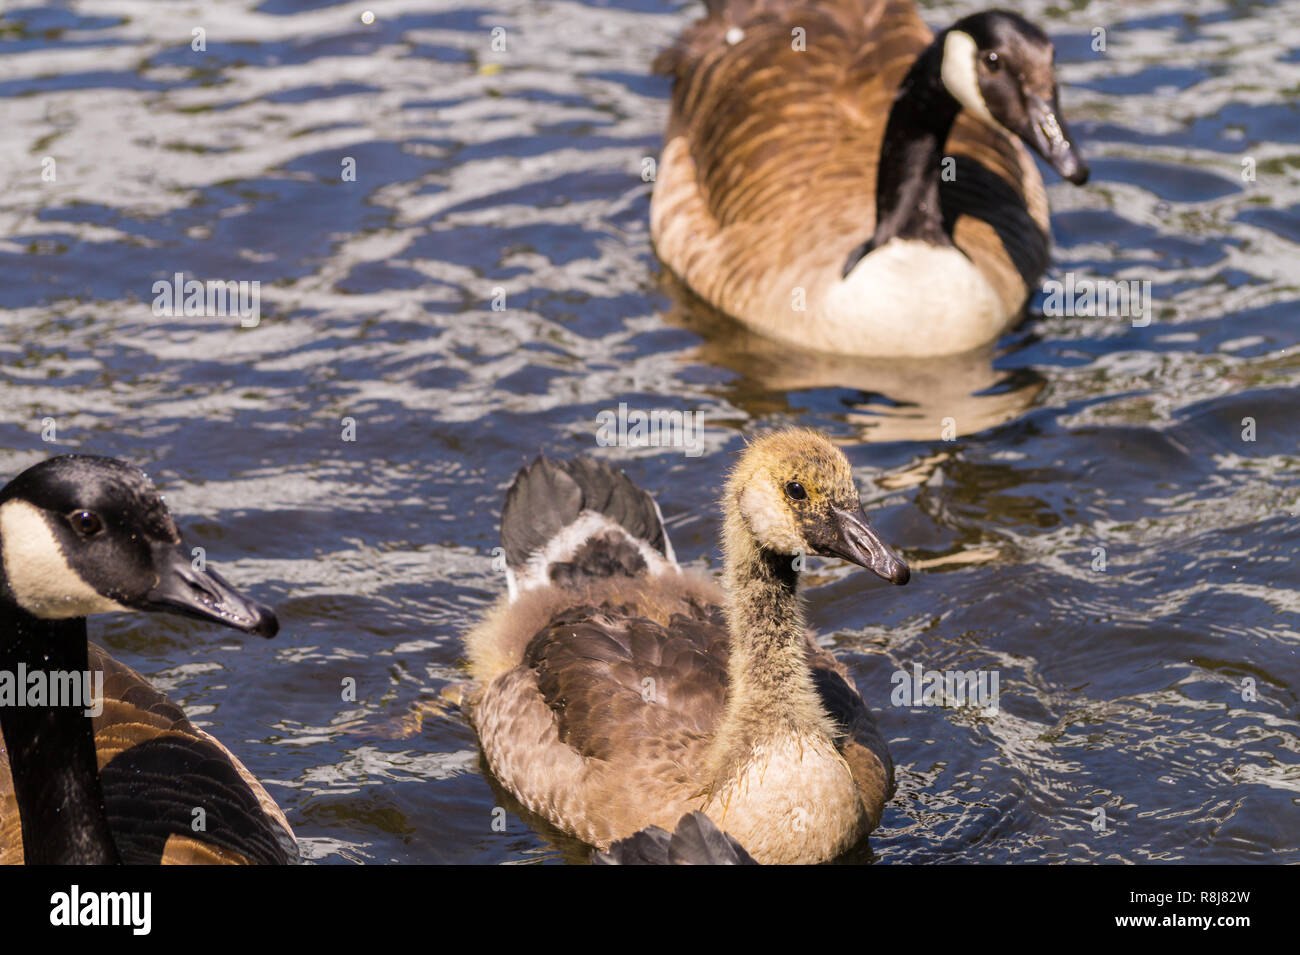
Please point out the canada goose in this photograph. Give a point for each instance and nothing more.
(139, 784)
(615, 692)
(839, 179)
(695, 841)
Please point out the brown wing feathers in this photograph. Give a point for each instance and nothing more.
(604, 674)
(777, 166)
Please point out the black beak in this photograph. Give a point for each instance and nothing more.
(204, 595)
(855, 541)
(1050, 138)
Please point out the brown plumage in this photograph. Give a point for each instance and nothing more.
(768, 181)
(626, 698)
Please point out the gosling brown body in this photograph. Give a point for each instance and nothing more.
(627, 700)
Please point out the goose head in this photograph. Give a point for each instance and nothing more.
(81, 535)
(794, 493)
(1001, 68)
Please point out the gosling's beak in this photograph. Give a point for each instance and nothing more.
(1050, 138)
(855, 541)
(204, 595)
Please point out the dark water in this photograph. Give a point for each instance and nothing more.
(519, 171)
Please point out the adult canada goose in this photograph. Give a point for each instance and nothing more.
(139, 783)
(839, 179)
(695, 841)
(616, 692)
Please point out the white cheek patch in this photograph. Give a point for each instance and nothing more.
(39, 576)
(770, 521)
(959, 75)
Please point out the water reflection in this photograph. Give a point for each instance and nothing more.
(902, 399)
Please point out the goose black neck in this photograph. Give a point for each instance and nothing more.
(52, 748)
(911, 154)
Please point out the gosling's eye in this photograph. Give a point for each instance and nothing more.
(992, 62)
(85, 523)
(794, 490)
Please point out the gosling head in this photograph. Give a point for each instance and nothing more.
(82, 535)
(1001, 68)
(795, 494)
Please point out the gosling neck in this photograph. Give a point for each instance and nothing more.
(52, 748)
(770, 687)
(911, 154)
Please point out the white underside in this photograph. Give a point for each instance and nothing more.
(795, 803)
(562, 547)
(908, 299)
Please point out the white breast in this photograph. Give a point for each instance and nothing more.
(795, 803)
(908, 299)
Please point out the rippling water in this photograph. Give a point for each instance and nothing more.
(513, 177)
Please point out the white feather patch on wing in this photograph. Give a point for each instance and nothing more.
(562, 547)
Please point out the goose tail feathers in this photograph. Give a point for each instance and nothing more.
(697, 841)
(567, 522)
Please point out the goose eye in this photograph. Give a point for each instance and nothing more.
(794, 490)
(85, 523)
(992, 62)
